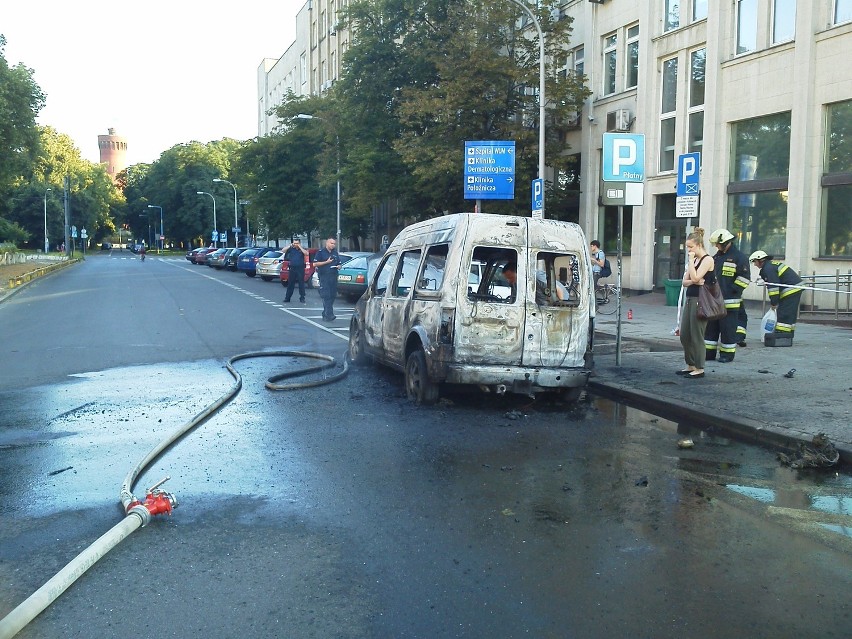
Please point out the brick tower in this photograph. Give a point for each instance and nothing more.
(113, 151)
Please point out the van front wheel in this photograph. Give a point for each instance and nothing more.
(418, 386)
(357, 354)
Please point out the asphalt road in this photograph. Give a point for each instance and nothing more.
(344, 511)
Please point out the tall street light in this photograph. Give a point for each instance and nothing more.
(46, 245)
(215, 226)
(236, 222)
(305, 116)
(160, 243)
(540, 93)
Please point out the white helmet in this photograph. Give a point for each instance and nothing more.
(758, 255)
(720, 236)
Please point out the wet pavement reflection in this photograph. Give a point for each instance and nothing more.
(517, 516)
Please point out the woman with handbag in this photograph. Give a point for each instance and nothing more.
(699, 267)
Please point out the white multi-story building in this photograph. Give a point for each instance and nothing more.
(309, 66)
(761, 88)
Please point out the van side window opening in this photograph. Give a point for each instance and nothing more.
(407, 274)
(431, 274)
(557, 279)
(485, 275)
(385, 273)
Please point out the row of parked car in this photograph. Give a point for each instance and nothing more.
(269, 264)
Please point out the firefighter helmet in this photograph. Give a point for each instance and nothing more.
(757, 255)
(720, 236)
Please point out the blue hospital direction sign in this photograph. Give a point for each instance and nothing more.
(623, 157)
(688, 174)
(489, 170)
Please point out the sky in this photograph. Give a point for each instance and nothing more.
(160, 72)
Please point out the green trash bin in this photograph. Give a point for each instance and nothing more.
(672, 292)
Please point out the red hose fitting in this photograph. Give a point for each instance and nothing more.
(156, 502)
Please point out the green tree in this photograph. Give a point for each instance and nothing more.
(21, 99)
(450, 72)
(92, 197)
(172, 182)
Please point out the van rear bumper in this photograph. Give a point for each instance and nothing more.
(518, 379)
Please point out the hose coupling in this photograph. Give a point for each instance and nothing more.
(156, 502)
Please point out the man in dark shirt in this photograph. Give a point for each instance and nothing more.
(295, 256)
(327, 263)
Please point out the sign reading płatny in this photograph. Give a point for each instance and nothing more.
(489, 170)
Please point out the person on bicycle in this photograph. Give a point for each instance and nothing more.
(598, 259)
(142, 252)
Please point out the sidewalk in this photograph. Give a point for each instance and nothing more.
(750, 397)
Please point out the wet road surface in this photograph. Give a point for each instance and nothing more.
(344, 511)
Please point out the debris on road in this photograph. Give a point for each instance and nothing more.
(821, 454)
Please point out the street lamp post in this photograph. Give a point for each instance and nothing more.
(305, 116)
(215, 226)
(160, 243)
(540, 92)
(236, 221)
(46, 245)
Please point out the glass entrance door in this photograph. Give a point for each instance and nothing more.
(669, 238)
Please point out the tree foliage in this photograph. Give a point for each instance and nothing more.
(450, 72)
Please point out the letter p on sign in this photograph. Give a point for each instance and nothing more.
(623, 157)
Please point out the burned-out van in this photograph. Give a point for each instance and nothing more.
(499, 302)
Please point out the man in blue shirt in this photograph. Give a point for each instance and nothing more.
(327, 263)
(295, 256)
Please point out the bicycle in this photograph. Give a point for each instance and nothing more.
(606, 298)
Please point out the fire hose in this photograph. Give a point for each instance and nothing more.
(138, 512)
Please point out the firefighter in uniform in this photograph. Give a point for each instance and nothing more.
(732, 273)
(784, 299)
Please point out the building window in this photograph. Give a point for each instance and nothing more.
(760, 165)
(697, 60)
(579, 61)
(746, 25)
(671, 19)
(668, 120)
(842, 11)
(632, 76)
(303, 68)
(836, 219)
(699, 10)
(609, 60)
(783, 20)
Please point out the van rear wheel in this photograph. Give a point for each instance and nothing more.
(418, 386)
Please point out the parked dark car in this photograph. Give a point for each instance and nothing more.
(201, 255)
(233, 256)
(190, 254)
(216, 259)
(247, 261)
(284, 276)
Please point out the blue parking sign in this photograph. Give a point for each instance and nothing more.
(688, 174)
(623, 157)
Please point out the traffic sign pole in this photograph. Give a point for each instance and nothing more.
(624, 162)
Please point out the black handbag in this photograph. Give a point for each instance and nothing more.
(711, 304)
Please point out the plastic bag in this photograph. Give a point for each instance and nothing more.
(769, 320)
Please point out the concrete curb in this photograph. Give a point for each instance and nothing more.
(22, 281)
(743, 428)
